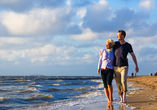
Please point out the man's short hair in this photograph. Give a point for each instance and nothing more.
(122, 32)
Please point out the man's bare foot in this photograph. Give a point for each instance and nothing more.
(121, 97)
(124, 101)
(121, 101)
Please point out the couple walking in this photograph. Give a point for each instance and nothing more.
(113, 59)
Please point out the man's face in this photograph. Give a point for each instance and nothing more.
(120, 36)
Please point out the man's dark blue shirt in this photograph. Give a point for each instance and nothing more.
(120, 54)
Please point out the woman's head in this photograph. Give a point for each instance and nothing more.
(109, 44)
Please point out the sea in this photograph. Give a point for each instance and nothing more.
(55, 93)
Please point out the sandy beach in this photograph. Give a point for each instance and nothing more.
(144, 97)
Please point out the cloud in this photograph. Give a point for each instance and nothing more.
(81, 13)
(41, 59)
(40, 51)
(147, 4)
(39, 21)
(27, 5)
(86, 35)
(98, 16)
(14, 40)
(81, 3)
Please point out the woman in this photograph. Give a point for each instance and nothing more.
(106, 66)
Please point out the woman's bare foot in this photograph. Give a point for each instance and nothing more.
(112, 100)
(108, 101)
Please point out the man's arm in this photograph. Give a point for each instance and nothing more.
(135, 61)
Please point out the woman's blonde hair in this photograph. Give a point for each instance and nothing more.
(111, 42)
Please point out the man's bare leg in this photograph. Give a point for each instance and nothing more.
(121, 97)
(124, 97)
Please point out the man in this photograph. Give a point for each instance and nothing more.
(120, 63)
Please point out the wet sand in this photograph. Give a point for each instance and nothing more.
(144, 96)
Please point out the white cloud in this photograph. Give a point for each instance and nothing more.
(14, 40)
(104, 2)
(33, 22)
(81, 13)
(41, 53)
(68, 2)
(41, 59)
(147, 4)
(33, 60)
(86, 35)
(37, 21)
(86, 58)
(17, 63)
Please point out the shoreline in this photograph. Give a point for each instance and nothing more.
(143, 93)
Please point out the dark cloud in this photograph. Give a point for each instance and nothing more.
(81, 3)
(148, 51)
(50, 3)
(73, 30)
(26, 5)
(97, 21)
(3, 30)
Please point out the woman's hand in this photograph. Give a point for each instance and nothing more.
(98, 71)
(100, 53)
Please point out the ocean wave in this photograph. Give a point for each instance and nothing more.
(2, 99)
(39, 96)
(73, 83)
(53, 89)
(99, 81)
(19, 80)
(55, 84)
(82, 88)
(3, 90)
(33, 83)
(59, 80)
(67, 84)
(100, 86)
(27, 90)
(38, 85)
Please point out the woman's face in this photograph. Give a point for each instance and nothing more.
(108, 46)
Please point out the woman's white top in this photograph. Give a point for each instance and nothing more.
(106, 59)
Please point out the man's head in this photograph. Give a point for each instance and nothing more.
(121, 34)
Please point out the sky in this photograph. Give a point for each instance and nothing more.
(64, 37)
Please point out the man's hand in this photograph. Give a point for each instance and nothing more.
(98, 71)
(137, 69)
(135, 61)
